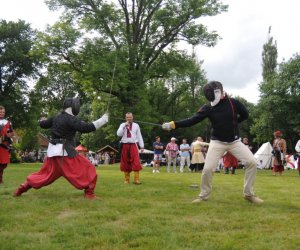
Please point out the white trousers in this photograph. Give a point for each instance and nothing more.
(215, 152)
(170, 160)
(184, 159)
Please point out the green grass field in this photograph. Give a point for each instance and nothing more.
(155, 215)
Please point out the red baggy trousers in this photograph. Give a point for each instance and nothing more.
(130, 160)
(78, 171)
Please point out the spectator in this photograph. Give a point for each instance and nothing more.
(158, 151)
(184, 155)
(297, 148)
(6, 133)
(279, 152)
(172, 152)
(197, 154)
(230, 163)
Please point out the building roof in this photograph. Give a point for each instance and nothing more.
(43, 140)
(107, 148)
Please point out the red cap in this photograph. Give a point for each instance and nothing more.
(278, 133)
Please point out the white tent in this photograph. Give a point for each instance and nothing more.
(264, 155)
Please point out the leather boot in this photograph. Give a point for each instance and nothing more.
(137, 178)
(2, 167)
(89, 192)
(1, 175)
(22, 189)
(127, 177)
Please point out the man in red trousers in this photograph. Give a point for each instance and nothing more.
(130, 160)
(6, 132)
(62, 158)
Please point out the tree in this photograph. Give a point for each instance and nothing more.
(18, 64)
(142, 34)
(269, 58)
(264, 118)
(285, 101)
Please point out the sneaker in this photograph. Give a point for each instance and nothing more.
(153, 171)
(157, 171)
(254, 199)
(198, 200)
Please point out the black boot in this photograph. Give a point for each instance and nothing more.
(233, 170)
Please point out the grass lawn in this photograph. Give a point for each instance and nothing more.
(155, 215)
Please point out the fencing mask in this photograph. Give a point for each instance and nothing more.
(71, 102)
(213, 92)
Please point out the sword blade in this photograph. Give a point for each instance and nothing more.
(142, 122)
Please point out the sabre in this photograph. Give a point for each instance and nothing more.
(112, 82)
(148, 123)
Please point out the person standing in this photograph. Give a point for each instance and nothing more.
(246, 142)
(224, 114)
(297, 148)
(184, 155)
(62, 158)
(197, 154)
(158, 152)
(230, 163)
(279, 152)
(130, 160)
(172, 152)
(6, 133)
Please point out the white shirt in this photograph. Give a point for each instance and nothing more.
(3, 122)
(136, 136)
(297, 148)
(56, 150)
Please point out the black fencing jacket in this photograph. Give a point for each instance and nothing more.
(224, 118)
(63, 129)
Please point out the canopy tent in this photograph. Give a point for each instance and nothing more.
(264, 156)
(146, 151)
(81, 148)
(146, 156)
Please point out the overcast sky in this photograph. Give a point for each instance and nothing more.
(236, 59)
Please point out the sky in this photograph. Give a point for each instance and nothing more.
(236, 60)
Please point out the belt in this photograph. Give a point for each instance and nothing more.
(57, 141)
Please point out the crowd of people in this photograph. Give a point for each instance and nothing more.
(183, 156)
(190, 156)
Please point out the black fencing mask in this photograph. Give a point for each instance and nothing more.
(209, 90)
(73, 103)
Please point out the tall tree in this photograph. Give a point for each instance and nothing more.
(264, 118)
(269, 58)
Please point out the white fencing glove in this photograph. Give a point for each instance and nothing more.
(101, 121)
(168, 126)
